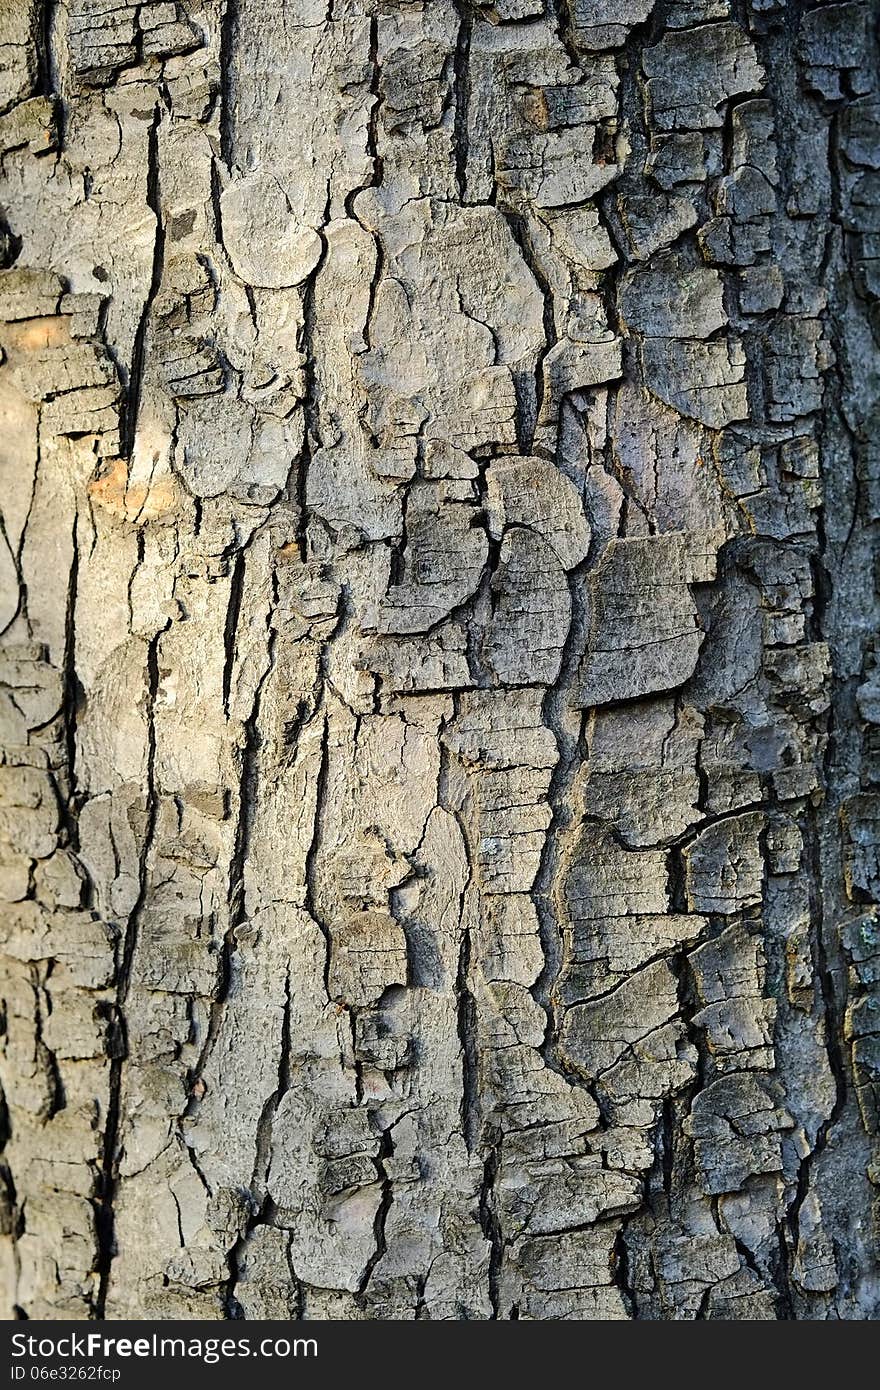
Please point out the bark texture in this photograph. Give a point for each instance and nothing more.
(438, 697)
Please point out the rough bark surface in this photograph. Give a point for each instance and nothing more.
(439, 696)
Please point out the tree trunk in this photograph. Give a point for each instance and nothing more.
(438, 698)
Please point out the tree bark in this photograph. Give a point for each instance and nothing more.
(438, 694)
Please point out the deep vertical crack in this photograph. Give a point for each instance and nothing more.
(134, 383)
(119, 1044)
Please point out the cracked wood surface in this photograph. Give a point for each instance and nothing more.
(439, 692)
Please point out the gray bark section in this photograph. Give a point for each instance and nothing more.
(438, 696)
